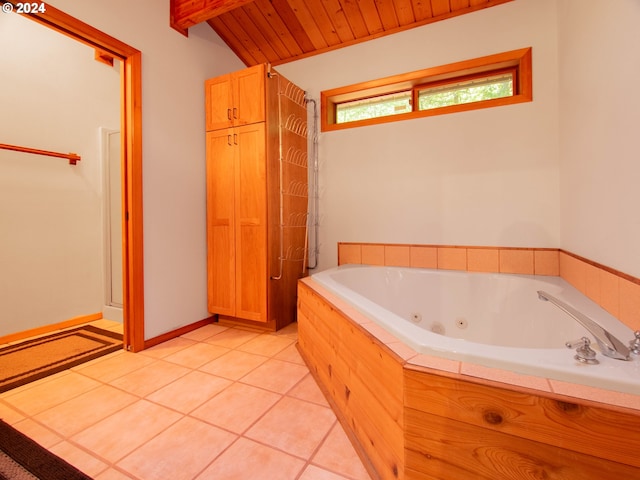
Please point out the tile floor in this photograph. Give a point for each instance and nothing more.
(218, 402)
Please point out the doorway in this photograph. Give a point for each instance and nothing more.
(107, 49)
(112, 224)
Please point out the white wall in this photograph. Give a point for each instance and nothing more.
(600, 121)
(173, 72)
(53, 96)
(174, 69)
(486, 177)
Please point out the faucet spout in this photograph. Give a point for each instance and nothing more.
(609, 345)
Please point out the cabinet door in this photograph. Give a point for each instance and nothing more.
(219, 102)
(221, 277)
(235, 99)
(249, 101)
(251, 223)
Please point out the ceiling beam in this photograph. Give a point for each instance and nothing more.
(186, 13)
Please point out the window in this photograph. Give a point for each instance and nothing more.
(501, 79)
(380, 106)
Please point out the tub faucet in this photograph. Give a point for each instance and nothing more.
(609, 345)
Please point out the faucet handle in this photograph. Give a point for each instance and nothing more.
(634, 345)
(584, 352)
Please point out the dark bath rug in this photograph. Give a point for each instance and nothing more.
(23, 459)
(34, 359)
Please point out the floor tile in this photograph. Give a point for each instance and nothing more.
(110, 325)
(313, 472)
(179, 453)
(190, 391)
(203, 333)
(148, 379)
(232, 338)
(79, 458)
(121, 433)
(75, 415)
(294, 426)
(9, 415)
(233, 365)
(291, 354)
(338, 455)
(276, 375)
(266, 344)
(113, 474)
(38, 433)
(290, 330)
(196, 355)
(307, 389)
(114, 366)
(218, 402)
(246, 459)
(167, 348)
(50, 392)
(237, 407)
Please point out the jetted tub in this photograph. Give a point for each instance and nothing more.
(494, 320)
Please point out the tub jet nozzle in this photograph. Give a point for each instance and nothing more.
(542, 296)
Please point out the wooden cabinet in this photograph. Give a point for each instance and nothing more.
(256, 197)
(237, 211)
(236, 98)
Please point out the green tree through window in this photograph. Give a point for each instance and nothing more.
(382, 106)
(470, 91)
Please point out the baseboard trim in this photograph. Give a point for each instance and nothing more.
(33, 332)
(152, 342)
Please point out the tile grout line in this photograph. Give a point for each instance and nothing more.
(189, 414)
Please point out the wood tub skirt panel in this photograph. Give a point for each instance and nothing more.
(365, 387)
(412, 423)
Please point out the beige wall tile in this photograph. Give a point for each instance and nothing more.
(349, 253)
(424, 257)
(630, 303)
(573, 271)
(592, 288)
(452, 258)
(483, 260)
(397, 255)
(610, 293)
(516, 261)
(546, 262)
(373, 254)
(617, 295)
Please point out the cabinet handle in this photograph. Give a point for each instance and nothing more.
(228, 114)
(235, 138)
(229, 140)
(235, 112)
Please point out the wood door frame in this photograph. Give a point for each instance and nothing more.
(108, 47)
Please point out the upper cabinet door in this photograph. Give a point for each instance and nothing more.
(250, 96)
(219, 102)
(235, 99)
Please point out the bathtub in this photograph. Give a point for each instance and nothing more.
(493, 320)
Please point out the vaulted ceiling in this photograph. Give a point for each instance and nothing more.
(279, 31)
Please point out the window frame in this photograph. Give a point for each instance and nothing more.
(517, 60)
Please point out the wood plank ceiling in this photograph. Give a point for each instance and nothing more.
(279, 31)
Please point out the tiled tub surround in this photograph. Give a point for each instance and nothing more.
(616, 292)
(420, 416)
